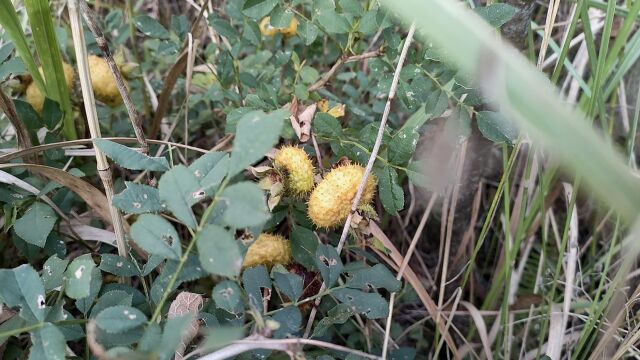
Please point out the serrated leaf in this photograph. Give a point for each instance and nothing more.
(372, 305)
(245, 205)
(191, 270)
(326, 125)
(496, 14)
(258, 8)
(85, 304)
(138, 199)
(48, 343)
(495, 127)
(129, 158)
(337, 315)
(110, 299)
(180, 190)
(256, 133)
(402, 146)
(304, 244)
(290, 320)
(117, 265)
(254, 280)
(218, 251)
(53, 272)
(210, 170)
(78, 276)
(118, 319)
(226, 295)
(156, 236)
(36, 223)
(391, 193)
(329, 263)
(377, 276)
(290, 284)
(150, 27)
(153, 262)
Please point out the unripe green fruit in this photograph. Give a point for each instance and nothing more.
(330, 202)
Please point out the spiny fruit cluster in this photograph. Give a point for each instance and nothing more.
(102, 82)
(267, 30)
(268, 250)
(330, 202)
(298, 168)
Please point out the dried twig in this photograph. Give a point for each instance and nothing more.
(7, 107)
(342, 60)
(287, 345)
(88, 15)
(372, 159)
(94, 126)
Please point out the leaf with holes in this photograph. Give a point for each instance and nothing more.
(254, 280)
(138, 199)
(218, 251)
(377, 276)
(256, 133)
(180, 190)
(329, 263)
(129, 158)
(156, 236)
(36, 224)
(118, 319)
(78, 276)
(22, 287)
(371, 305)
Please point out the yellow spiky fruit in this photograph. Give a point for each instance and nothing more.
(268, 250)
(35, 97)
(102, 82)
(330, 202)
(266, 29)
(298, 167)
(292, 29)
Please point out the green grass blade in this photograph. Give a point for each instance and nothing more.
(11, 24)
(46, 42)
(526, 96)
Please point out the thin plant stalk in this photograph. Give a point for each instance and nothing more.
(94, 126)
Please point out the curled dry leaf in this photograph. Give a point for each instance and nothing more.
(185, 303)
(301, 117)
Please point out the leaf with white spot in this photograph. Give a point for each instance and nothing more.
(226, 295)
(117, 265)
(53, 272)
(210, 169)
(129, 158)
(118, 319)
(138, 199)
(78, 276)
(36, 224)
(95, 283)
(219, 252)
(48, 343)
(371, 305)
(22, 287)
(180, 190)
(156, 236)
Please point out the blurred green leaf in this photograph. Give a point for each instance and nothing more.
(150, 27)
(53, 272)
(377, 276)
(303, 247)
(254, 280)
(290, 284)
(36, 223)
(218, 251)
(258, 8)
(371, 305)
(48, 343)
(496, 128)
(226, 295)
(117, 265)
(156, 236)
(391, 193)
(246, 205)
(78, 276)
(138, 199)
(129, 158)
(496, 14)
(118, 319)
(179, 190)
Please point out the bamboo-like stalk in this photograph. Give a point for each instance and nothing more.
(92, 119)
(134, 117)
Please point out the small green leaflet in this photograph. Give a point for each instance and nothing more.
(117, 265)
(53, 272)
(372, 305)
(496, 14)
(150, 27)
(129, 158)
(179, 189)
(118, 319)
(218, 251)
(256, 133)
(254, 280)
(391, 193)
(36, 224)
(156, 236)
(329, 263)
(78, 276)
(377, 276)
(246, 205)
(48, 343)
(303, 246)
(290, 284)
(226, 295)
(138, 199)
(495, 127)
